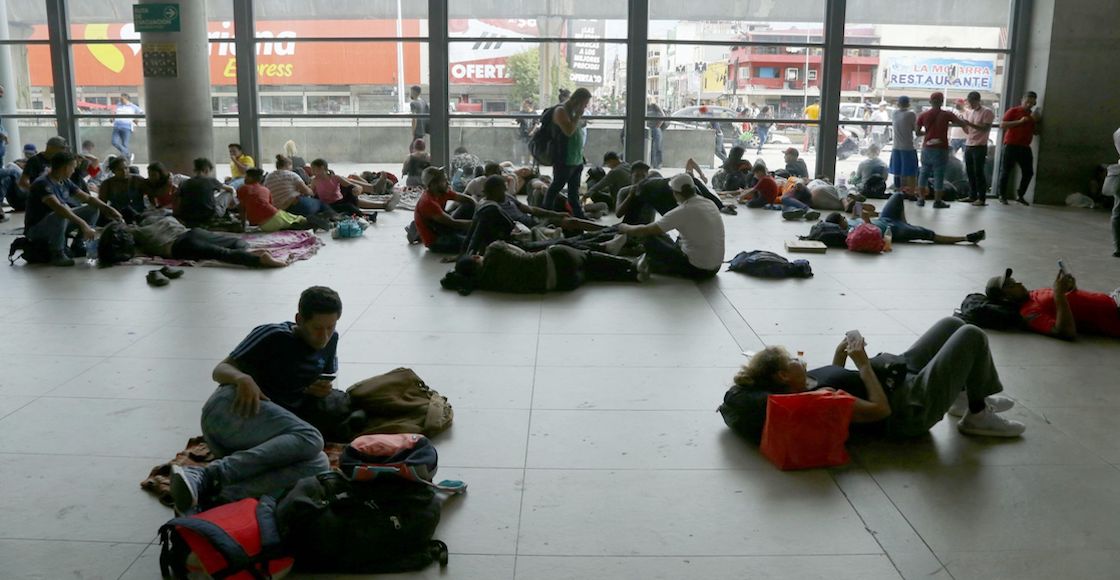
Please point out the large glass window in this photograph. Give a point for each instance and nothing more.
(955, 52)
(27, 104)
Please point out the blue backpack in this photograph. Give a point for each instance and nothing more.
(765, 264)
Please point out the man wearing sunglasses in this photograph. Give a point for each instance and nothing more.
(1062, 311)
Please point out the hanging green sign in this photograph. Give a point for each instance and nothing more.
(156, 17)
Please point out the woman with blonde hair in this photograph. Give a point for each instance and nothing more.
(299, 165)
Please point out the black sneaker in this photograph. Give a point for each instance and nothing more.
(729, 210)
(940, 205)
(793, 214)
(1022, 201)
(976, 237)
(188, 486)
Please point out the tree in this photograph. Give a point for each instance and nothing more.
(525, 68)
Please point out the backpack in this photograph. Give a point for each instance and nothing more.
(866, 238)
(409, 456)
(769, 265)
(400, 402)
(334, 525)
(875, 187)
(980, 310)
(540, 145)
(237, 541)
(31, 252)
(829, 234)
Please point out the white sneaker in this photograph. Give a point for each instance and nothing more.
(643, 268)
(997, 403)
(989, 424)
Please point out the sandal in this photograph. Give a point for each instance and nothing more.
(157, 279)
(171, 273)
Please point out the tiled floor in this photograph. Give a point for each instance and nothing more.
(586, 422)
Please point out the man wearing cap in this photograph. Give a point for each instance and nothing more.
(904, 158)
(933, 127)
(36, 166)
(1062, 311)
(976, 147)
(1020, 125)
(441, 232)
(698, 252)
(795, 165)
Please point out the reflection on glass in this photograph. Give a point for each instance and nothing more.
(25, 73)
(497, 78)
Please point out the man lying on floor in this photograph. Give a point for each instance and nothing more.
(893, 219)
(163, 236)
(651, 193)
(1062, 311)
(258, 422)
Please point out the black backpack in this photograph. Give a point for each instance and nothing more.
(31, 252)
(333, 525)
(982, 311)
(769, 265)
(540, 146)
(875, 187)
(829, 234)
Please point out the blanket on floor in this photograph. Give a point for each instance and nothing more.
(288, 246)
(197, 454)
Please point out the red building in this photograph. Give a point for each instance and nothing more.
(788, 75)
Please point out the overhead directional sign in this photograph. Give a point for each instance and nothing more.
(156, 17)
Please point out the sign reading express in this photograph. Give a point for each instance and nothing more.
(939, 73)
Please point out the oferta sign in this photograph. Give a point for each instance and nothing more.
(156, 17)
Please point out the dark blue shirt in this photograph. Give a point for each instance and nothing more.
(41, 189)
(282, 364)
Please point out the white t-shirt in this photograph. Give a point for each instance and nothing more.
(701, 231)
(903, 124)
(882, 117)
(474, 187)
(284, 187)
(981, 116)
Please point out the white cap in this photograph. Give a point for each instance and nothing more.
(680, 181)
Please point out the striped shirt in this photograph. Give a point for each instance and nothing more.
(284, 187)
(282, 364)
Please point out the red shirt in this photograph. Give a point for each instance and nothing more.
(768, 189)
(1023, 134)
(936, 124)
(256, 202)
(1093, 312)
(427, 207)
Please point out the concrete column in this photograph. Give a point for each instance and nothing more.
(1072, 65)
(637, 49)
(178, 110)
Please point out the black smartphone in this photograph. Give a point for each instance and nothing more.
(330, 378)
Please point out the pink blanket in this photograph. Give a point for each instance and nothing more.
(288, 246)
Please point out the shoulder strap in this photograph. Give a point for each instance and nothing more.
(236, 558)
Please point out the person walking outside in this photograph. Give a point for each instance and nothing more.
(122, 127)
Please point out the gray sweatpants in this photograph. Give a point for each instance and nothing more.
(950, 357)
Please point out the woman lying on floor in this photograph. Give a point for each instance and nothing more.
(894, 219)
(948, 370)
(507, 268)
(165, 237)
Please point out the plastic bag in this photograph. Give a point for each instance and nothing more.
(866, 238)
(807, 430)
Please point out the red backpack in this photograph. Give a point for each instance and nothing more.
(866, 238)
(235, 541)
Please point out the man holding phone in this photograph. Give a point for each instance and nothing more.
(259, 420)
(1062, 311)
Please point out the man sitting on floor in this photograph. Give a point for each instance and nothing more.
(618, 176)
(698, 252)
(257, 209)
(55, 209)
(1062, 311)
(441, 233)
(252, 422)
(652, 193)
(199, 199)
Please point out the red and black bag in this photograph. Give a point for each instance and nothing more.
(410, 456)
(235, 541)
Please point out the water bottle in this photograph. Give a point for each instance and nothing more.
(91, 252)
(887, 237)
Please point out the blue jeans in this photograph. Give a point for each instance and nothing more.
(52, 229)
(308, 206)
(262, 454)
(763, 135)
(565, 175)
(933, 167)
(655, 148)
(1116, 222)
(893, 217)
(789, 203)
(9, 178)
(120, 139)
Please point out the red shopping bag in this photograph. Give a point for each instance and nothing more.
(807, 430)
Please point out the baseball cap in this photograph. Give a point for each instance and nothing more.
(904, 100)
(430, 174)
(937, 96)
(30, 148)
(994, 289)
(681, 181)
